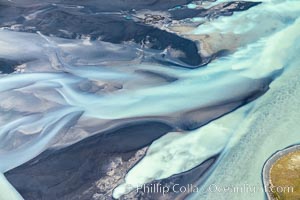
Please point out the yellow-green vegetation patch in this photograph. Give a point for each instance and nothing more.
(285, 177)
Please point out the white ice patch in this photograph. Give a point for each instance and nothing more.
(7, 191)
(177, 152)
